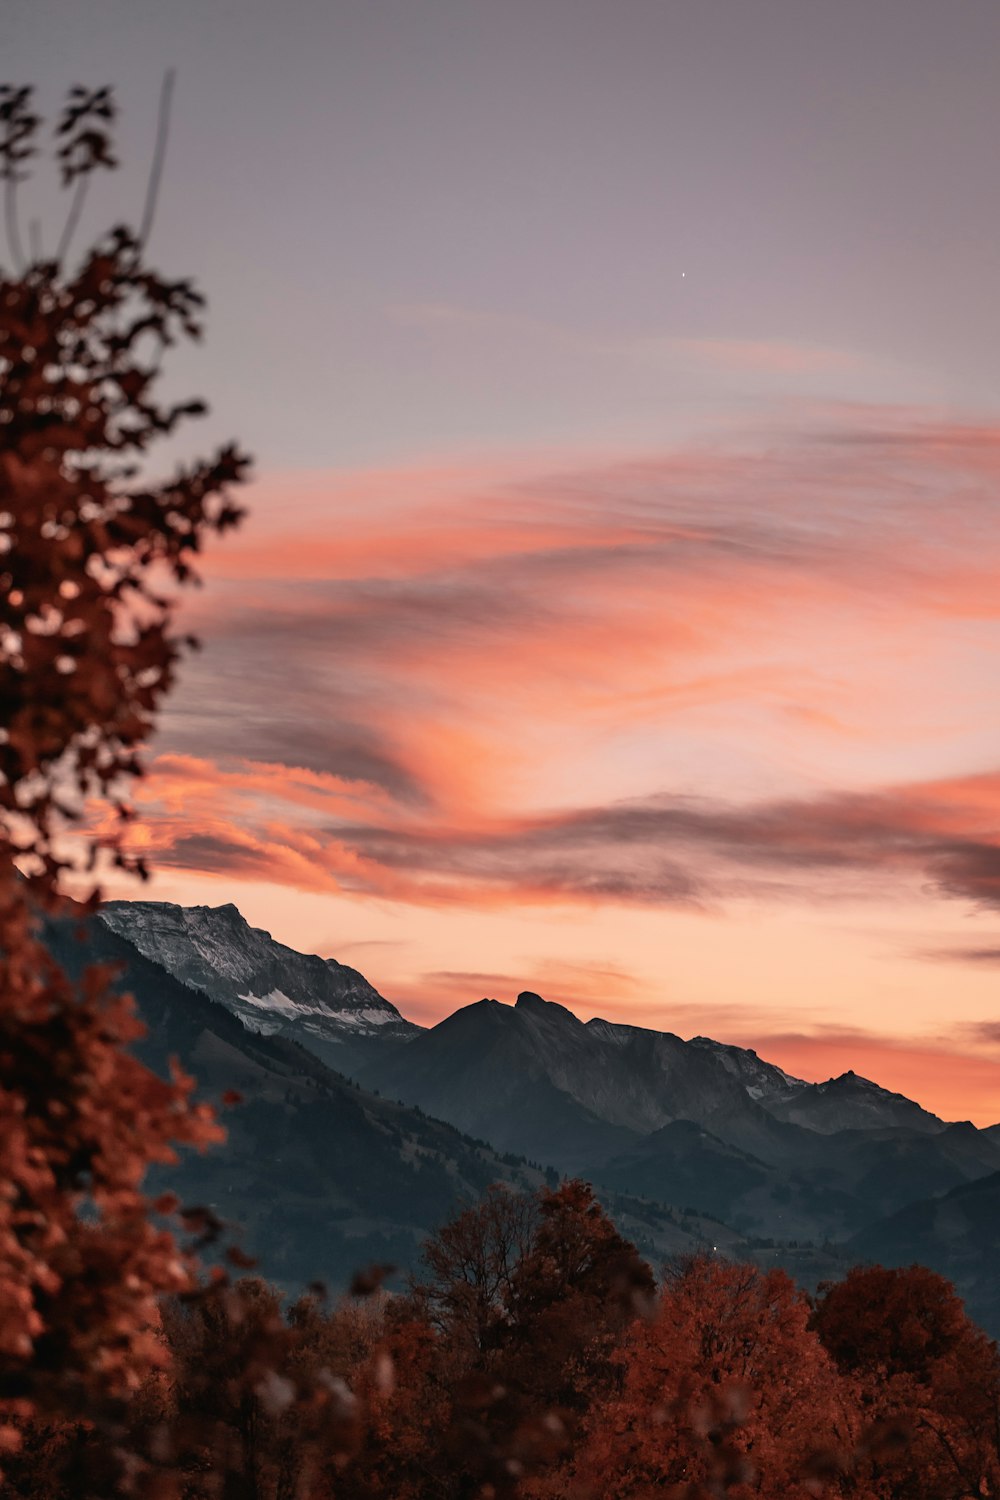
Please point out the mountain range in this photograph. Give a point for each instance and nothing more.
(694, 1141)
(699, 1123)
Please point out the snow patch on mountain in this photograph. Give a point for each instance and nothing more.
(274, 1001)
(762, 1080)
(277, 1003)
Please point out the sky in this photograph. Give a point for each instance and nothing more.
(616, 615)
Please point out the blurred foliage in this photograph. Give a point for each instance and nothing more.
(90, 556)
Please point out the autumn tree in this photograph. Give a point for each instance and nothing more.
(412, 1442)
(91, 553)
(528, 1296)
(924, 1371)
(724, 1390)
(261, 1400)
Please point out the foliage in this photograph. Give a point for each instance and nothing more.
(90, 553)
(723, 1389)
(924, 1372)
(720, 1386)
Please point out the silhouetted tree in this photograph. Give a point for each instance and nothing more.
(471, 1264)
(89, 552)
(528, 1295)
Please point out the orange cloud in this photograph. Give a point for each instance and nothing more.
(311, 832)
(686, 682)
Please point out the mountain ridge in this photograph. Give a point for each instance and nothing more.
(699, 1125)
(336, 1005)
(318, 1176)
(329, 1007)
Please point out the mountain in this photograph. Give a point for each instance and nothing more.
(481, 1068)
(685, 1164)
(320, 1176)
(821, 1188)
(699, 1127)
(629, 1077)
(329, 1008)
(670, 1079)
(763, 1081)
(535, 1073)
(494, 1067)
(852, 1103)
(697, 1124)
(635, 1078)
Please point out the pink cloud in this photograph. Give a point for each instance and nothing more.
(769, 356)
(295, 828)
(681, 684)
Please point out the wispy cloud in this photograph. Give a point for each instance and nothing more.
(978, 957)
(769, 356)
(663, 851)
(655, 683)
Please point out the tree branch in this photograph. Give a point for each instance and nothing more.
(11, 224)
(73, 217)
(159, 156)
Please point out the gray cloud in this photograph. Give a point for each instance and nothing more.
(687, 851)
(660, 851)
(980, 957)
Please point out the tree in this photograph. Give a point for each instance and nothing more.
(890, 1322)
(725, 1390)
(925, 1372)
(580, 1285)
(471, 1265)
(90, 554)
(529, 1295)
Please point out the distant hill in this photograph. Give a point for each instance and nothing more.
(957, 1234)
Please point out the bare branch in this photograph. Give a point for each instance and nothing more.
(73, 217)
(11, 226)
(18, 127)
(159, 156)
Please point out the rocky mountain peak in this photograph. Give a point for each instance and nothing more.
(546, 1010)
(852, 1102)
(272, 988)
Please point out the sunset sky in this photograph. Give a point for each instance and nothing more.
(618, 613)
